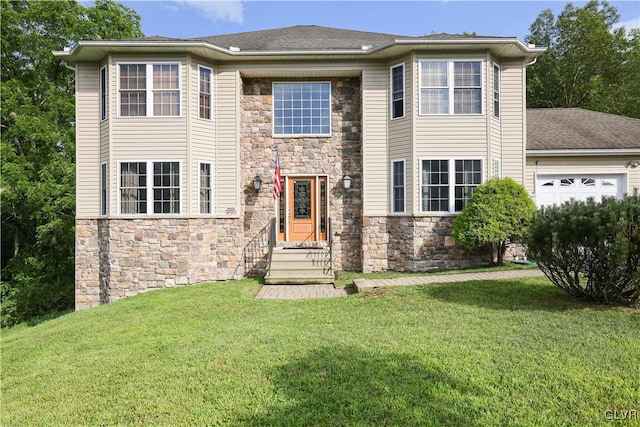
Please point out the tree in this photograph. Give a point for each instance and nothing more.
(38, 147)
(587, 60)
(498, 212)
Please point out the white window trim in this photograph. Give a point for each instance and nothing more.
(104, 190)
(150, 187)
(404, 105)
(210, 93)
(149, 87)
(451, 85)
(452, 182)
(104, 109)
(300, 135)
(211, 188)
(404, 174)
(495, 113)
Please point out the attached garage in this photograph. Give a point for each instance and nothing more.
(557, 189)
(576, 154)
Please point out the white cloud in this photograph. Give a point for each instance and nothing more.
(629, 24)
(213, 10)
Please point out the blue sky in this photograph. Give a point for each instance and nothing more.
(194, 18)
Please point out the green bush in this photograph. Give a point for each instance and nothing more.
(498, 212)
(589, 249)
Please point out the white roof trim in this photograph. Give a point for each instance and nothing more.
(234, 51)
(585, 152)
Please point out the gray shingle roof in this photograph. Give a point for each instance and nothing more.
(578, 129)
(299, 37)
(313, 37)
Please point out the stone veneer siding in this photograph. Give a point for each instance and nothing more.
(413, 243)
(334, 156)
(116, 258)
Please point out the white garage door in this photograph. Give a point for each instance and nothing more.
(556, 189)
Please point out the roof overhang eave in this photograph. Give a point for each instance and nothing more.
(585, 152)
(75, 53)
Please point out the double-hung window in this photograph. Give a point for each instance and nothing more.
(204, 92)
(447, 185)
(398, 189)
(397, 91)
(144, 85)
(104, 90)
(496, 90)
(444, 81)
(205, 188)
(133, 188)
(302, 109)
(104, 189)
(163, 185)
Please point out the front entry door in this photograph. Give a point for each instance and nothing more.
(305, 218)
(302, 209)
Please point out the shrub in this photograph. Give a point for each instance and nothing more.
(498, 212)
(589, 249)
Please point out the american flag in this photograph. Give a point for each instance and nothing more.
(277, 179)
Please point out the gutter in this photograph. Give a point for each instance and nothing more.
(585, 152)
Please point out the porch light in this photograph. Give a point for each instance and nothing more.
(346, 182)
(257, 183)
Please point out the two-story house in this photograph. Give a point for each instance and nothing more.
(380, 141)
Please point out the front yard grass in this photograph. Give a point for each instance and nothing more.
(511, 352)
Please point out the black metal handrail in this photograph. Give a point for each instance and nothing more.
(330, 243)
(272, 241)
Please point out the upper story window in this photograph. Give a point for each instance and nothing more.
(302, 109)
(104, 91)
(397, 91)
(444, 81)
(161, 91)
(496, 90)
(447, 185)
(204, 92)
(163, 185)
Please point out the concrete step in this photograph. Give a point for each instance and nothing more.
(300, 266)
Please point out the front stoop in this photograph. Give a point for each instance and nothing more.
(299, 266)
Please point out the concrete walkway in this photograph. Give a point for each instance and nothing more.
(295, 292)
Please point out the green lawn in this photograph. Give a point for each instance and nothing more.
(516, 352)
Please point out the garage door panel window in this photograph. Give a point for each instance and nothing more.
(556, 190)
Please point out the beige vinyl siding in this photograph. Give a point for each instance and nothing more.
(375, 114)
(513, 119)
(447, 135)
(495, 125)
(401, 134)
(104, 141)
(310, 69)
(149, 138)
(226, 174)
(87, 140)
(582, 165)
(203, 132)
